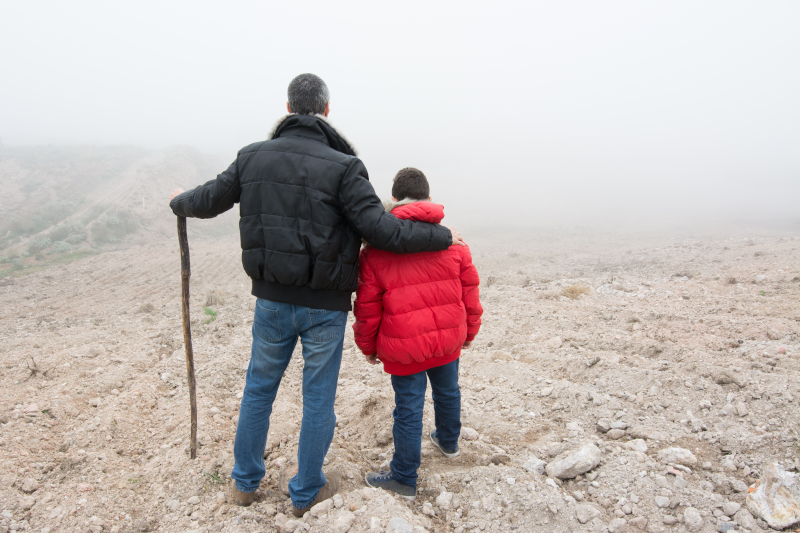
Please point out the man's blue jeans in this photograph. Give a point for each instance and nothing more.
(409, 400)
(276, 327)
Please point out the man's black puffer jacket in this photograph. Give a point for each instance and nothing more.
(305, 202)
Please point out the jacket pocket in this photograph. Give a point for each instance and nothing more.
(325, 325)
(266, 323)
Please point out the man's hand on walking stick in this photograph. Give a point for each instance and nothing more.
(175, 193)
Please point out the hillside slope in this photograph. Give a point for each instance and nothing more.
(62, 202)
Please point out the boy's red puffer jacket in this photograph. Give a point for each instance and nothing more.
(415, 311)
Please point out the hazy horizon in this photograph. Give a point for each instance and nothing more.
(568, 113)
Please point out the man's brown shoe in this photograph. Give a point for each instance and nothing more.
(242, 499)
(325, 492)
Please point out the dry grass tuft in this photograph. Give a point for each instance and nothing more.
(574, 291)
(548, 295)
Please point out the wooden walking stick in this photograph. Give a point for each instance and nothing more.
(183, 240)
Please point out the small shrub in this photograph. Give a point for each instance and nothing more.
(62, 247)
(63, 231)
(17, 264)
(212, 315)
(573, 292)
(38, 244)
(75, 238)
(4, 259)
(112, 228)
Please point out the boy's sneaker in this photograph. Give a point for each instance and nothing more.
(384, 480)
(446, 451)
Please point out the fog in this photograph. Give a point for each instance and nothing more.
(520, 113)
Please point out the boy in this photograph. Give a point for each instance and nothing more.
(414, 313)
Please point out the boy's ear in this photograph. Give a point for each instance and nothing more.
(430, 199)
(395, 199)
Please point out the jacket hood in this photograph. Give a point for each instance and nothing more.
(419, 210)
(315, 127)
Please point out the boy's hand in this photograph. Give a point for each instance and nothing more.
(467, 345)
(372, 359)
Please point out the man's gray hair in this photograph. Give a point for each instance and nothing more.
(308, 95)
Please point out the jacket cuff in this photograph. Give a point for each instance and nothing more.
(441, 239)
(178, 204)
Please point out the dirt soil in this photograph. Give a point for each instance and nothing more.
(666, 342)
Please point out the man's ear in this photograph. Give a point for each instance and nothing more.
(289, 109)
(327, 109)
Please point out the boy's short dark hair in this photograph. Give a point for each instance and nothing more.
(411, 183)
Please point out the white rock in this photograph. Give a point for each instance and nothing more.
(662, 502)
(554, 343)
(338, 501)
(731, 508)
(534, 464)
(322, 508)
(741, 409)
(637, 445)
(291, 526)
(603, 425)
(776, 497)
(344, 521)
(444, 500)
(27, 502)
(194, 500)
(746, 520)
(427, 509)
(679, 456)
(573, 463)
(574, 426)
(618, 524)
(398, 525)
(615, 434)
(547, 391)
(469, 434)
(692, 519)
(585, 512)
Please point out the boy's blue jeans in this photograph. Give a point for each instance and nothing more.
(276, 327)
(409, 399)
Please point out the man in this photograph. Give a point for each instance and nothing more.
(305, 203)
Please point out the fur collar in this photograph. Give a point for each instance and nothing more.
(271, 134)
(391, 204)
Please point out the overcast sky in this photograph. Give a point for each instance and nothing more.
(540, 111)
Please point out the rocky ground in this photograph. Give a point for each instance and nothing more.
(673, 374)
